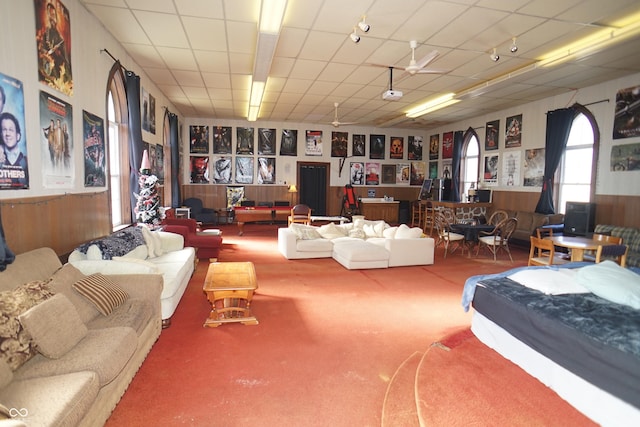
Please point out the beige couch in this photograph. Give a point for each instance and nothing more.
(359, 245)
(91, 357)
(529, 221)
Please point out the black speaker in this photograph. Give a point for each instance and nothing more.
(579, 218)
(446, 189)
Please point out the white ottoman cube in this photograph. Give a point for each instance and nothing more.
(358, 254)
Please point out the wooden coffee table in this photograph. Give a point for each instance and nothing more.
(229, 287)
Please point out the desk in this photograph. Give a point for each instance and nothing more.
(577, 245)
(260, 213)
(229, 287)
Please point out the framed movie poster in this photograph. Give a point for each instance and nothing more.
(53, 41)
(396, 147)
(358, 144)
(534, 167)
(244, 170)
(372, 173)
(626, 123)
(222, 169)
(14, 171)
(491, 169)
(513, 133)
(339, 144)
(447, 145)
(266, 170)
(266, 141)
(94, 150)
(433, 170)
(56, 123)
(221, 139)
(418, 173)
(376, 146)
(388, 174)
(403, 170)
(414, 148)
(199, 169)
(313, 145)
(289, 142)
(245, 140)
(492, 135)
(356, 173)
(199, 139)
(148, 112)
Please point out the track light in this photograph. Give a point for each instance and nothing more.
(494, 56)
(354, 36)
(514, 46)
(364, 26)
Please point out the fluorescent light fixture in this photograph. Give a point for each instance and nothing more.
(253, 113)
(257, 90)
(271, 16)
(433, 105)
(619, 31)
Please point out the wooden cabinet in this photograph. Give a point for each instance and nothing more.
(387, 211)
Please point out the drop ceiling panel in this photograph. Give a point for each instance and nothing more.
(206, 34)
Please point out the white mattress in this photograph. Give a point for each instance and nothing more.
(597, 404)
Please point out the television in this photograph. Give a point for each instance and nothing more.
(425, 191)
(484, 196)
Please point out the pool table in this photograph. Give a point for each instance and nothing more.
(246, 214)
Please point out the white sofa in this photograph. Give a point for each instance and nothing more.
(157, 252)
(359, 245)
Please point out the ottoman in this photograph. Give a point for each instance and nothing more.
(358, 254)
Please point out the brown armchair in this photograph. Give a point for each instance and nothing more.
(300, 214)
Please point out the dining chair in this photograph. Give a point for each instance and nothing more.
(617, 253)
(429, 219)
(606, 238)
(543, 252)
(444, 234)
(498, 239)
(300, 214)
(417, 212)
(497, 217)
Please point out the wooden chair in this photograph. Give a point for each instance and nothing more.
(542, 252)
(417, 212)
(429, 219)
(444, 235)
(497, 217)
(498, 239)
(300, 214)
(617, 253)
(591, 255)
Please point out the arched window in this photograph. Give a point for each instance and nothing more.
(470, 164)
(576, 176)
(117, 113)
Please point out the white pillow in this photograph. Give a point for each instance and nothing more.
(170, 242)
(154, 245)
(358, 223)
(374, 229)
(612, 282)
(330, 231)
(406, 232)
(390, 233)
(357, 233)
(305, 232)
(94, 253)
(550, 281)
(139, 252)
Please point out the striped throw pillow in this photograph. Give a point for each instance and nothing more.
(101, 292)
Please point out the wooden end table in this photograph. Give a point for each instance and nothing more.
(229, 287)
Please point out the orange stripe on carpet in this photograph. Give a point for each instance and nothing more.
(399, 406)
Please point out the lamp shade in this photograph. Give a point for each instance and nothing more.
(293, 189)
(146, 164)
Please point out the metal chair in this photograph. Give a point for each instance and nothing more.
(499, 238)
(444, 235)
(542, 252)
(617, 253)
(300, 214)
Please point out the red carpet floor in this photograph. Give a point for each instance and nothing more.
(328, 342)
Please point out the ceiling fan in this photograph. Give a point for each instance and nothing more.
(418, 67)
(336, 123)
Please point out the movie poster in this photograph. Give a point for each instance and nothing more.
(244, 170)
(148, 112)
(221, 139)
(414, 149)
(266, 170)
(159, 169)
(313, 145)
(266, 141)
(513, 133)
(511, 168)
(491, 170)
(53, 40)
(358, 145)
(376, 146)
(199, 169)
(626, 123)
(388, 174)
(222, 170)
(244, 140)
(418, 173)
(534, 167)
(403, 171)
(339, 144)
(492, 132)
(372, 173)
(396, 147)
(14, 166)
(94, 150)
(56, 124)
(356, 172)
(289, 142)
(447, 145)
(199, 139)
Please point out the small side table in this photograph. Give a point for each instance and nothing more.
(183, 212)
(229, 287)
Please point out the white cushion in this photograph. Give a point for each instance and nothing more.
(305, 232)
(406, 232)
(374, 230)
(154, 245)
(390, 233)
(170, 242)
(94, 252)
(331, 231)
(612, 282)
(139, 252)
(357, 233)
(550, 281)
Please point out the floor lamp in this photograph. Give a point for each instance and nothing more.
(292, 191)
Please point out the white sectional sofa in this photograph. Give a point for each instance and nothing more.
(359, 245)
(136, 250)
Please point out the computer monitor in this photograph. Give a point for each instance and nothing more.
(425, 191)
(484, 196)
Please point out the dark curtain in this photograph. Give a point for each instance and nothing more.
(313, 188)
(558, 127)
(175, 160)
(135, 135)
(458, 139)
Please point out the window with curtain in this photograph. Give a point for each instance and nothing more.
(166, 161)
(118, 153)
(470, 163)
(575, 174)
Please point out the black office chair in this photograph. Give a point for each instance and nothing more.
(199, 212)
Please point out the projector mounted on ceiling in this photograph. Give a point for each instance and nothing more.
(392, 95)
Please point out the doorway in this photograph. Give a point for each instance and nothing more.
(313, 186)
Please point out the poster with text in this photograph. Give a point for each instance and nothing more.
(388, 174)
(434, 146)
(414, 147)
(447, 145)
(356, 173)
(396, 147)
(14, 165)
(403, 172)
(534, 167)
(266, 170)
(339, 144)
(94, 150)
(372, 173)
(511, 168)
(376, 146)
(418, 173)
(626, 123)
(199, 139)
(490, 176)
(221, 139)
(56, 124)
(491, 135)
(358, 145)
(199, 166)
(266, 141)
(447, 167)
(244, 170)
(222, 168)
(289, 142)
(513, 133)
(244, 140)
(313, 140)
(53, 41)
(433, 170)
